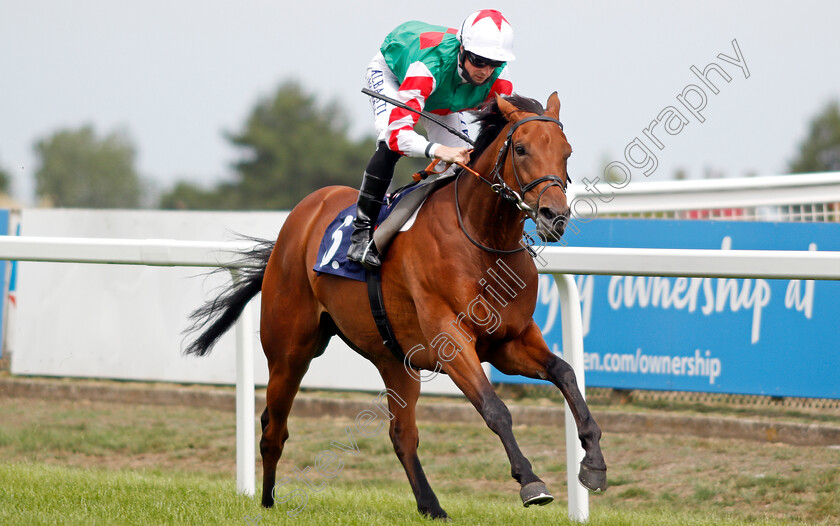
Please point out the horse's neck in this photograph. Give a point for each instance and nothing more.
(487, 217)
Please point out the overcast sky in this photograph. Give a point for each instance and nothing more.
(177, 75)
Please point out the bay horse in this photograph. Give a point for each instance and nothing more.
(432, 275)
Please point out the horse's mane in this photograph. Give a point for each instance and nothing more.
(491, 120)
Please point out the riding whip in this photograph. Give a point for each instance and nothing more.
(426, 114)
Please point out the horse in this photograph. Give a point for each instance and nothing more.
(438, 298)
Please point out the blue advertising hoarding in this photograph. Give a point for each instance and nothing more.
(4, 266)
(739, 336)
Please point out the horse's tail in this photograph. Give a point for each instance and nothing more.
(216, 316)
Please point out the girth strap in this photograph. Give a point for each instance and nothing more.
(380, 316)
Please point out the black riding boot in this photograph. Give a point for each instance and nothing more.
(378, 175)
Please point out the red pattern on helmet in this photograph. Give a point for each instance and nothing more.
(493, 15)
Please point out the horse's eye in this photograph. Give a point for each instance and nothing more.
(519, 149)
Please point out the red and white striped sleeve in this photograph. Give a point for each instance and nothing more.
(501, 86)
(419, 83)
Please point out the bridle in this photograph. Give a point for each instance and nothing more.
(500, 187)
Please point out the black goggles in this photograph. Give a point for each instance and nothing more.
(481, 62)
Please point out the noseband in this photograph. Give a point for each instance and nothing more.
(509, 194)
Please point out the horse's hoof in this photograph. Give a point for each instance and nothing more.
(535, 493)
(593, 479)
(434, 513)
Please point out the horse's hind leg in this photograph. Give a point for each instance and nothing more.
(403, 391)
(290, 343)
(529, 356)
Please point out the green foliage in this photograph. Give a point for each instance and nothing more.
(290, 146)
(5, 181)
(77, 169)
(820, 151)
(187, 195)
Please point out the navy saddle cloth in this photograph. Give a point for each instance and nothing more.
(332, 253)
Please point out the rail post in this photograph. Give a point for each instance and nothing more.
(245, 437)
(572, 327)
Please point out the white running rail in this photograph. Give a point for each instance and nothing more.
(796, 197)
(168, 253)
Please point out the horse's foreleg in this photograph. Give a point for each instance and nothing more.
(593, 468)
(403, 392)
(529, 356)
(465, 370)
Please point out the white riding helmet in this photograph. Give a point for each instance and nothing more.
(488, 34)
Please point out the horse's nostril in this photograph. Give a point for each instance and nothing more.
(553, 224)
(547, 213)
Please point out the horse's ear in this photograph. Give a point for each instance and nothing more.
(508, 110)
(553, 106)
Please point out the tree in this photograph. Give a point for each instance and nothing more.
(5, 181)
(187, 195)
(291, 146)
(77, 169)
(820, 151)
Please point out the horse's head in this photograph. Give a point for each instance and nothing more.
(532, 160)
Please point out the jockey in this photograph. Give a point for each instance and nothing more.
(444, 71)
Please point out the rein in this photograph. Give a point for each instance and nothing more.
(500, 187)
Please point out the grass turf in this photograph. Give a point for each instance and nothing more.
(37, 494)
